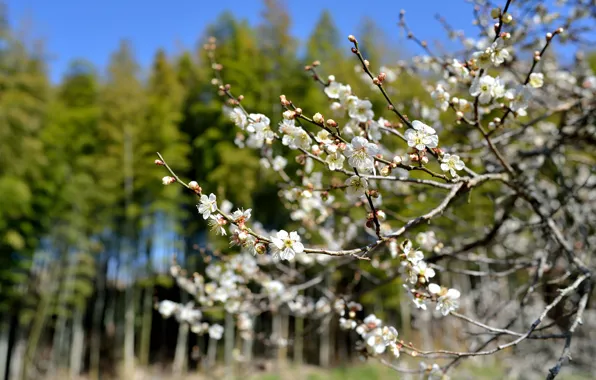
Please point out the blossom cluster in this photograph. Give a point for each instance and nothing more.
(483, 118)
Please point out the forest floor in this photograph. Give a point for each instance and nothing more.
(362, 371)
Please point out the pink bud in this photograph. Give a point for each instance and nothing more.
(193, 185)
(168, 180)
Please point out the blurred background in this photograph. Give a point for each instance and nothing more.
(89, 91)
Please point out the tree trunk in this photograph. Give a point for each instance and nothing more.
(129, 332)
(96, 329)
(145, 344)
(229, 345)
(275, 337)
(211, 353)
(18, 354)
(147, 321)
(26, 358)
(324, 347)
(4, 341)
(247, 346)
(129, 315)
(284, 322)
(298, 340)
(77, 349)
(181, 354)
(180, 357)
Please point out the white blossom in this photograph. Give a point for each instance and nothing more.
(372, 322)
(347, 324)
(375, 344)
(361, 110)
(389, 334)
(258, 122)
(394, 349)
(217, 223)
(167, 308)
(332, 90)
(421, 271)
(460, 69)
(498, 54)
(216, 331)
(519, 99)
(360, 153)
(237, 116)
(441, 97)
(294, 136)
(241, 216)
(335, 161)
(448, 299)
(421, 136)
(356, 186)
(208, 204)
(451, 163)
(286, 245)
(279, 163)
(483, 88)
(536, 80)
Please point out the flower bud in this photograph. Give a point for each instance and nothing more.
(495, 12)
(298, 111)
(331, 123)
(331, 78)
(260, 248)
(316, 63)
(193, 185)
(168, 180)
(381, 215)
(158, 162)
(424, 160)
(351, 38)
(376, 81)
(507, 18)
(385, 171)
(289, 115)
(397, 159)
(549, 36)
(373, 193)
(382, 76)
(318, 118)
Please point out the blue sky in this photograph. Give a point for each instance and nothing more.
(92, 29)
